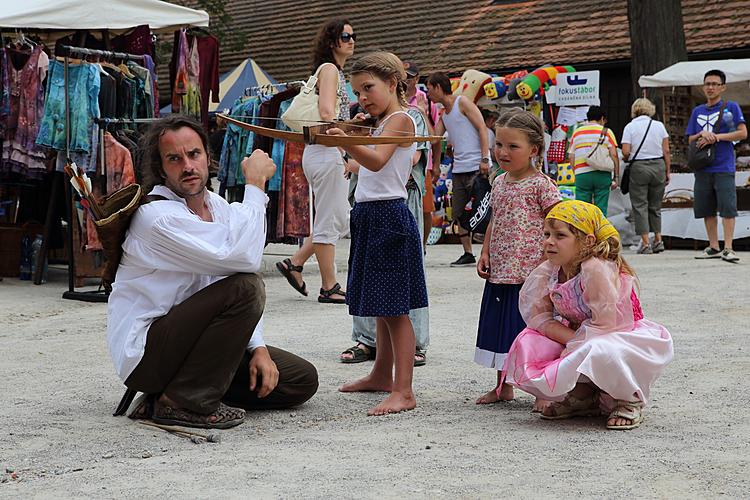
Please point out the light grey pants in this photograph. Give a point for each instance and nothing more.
(363, 329)
(647, 182)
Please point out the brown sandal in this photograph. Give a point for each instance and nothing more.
(286, 268)
(325, 296)
(360, 353)
(224, 417)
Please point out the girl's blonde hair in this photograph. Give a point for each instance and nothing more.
(386, 66)
(530, 125)
(609, 249)
(642, 106)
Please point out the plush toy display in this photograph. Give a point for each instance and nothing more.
(540, 79)
(472, 84)
(565, 175)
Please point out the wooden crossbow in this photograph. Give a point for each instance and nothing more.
(317, 134)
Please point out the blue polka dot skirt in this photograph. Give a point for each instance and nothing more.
(500, 322)
(386, 274)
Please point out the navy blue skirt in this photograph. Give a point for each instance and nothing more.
(386, 274)
(500, 322)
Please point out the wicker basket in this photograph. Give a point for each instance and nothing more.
(678, 198)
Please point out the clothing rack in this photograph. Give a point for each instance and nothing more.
(108, 121)
(69, 51)
(270, 87)
(98, 295)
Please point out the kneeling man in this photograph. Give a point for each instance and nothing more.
(185, 313)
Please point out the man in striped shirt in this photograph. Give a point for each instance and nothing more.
(592, 185)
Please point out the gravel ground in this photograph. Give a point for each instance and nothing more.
(59, 389)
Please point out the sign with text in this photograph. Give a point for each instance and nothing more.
(578, 89)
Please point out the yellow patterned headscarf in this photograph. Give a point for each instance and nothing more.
(584, 216)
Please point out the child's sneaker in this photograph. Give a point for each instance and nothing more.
(728, 255)
(658, 246)
(465, 260)
(709, 253)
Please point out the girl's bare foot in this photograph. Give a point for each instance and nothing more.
(505, 393)
(368, 384)
(395, 403)
(540, 405)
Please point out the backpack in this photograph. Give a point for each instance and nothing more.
(478, 212)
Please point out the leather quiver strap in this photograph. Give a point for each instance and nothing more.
(118, 209)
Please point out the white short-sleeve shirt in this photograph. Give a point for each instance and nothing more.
(652, 146)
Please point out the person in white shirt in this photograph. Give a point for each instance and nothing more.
(649, 171)
(185, 313)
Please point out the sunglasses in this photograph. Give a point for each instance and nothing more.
(347, 37)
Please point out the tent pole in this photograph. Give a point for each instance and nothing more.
(68, 190)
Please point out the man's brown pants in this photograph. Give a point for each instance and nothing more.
(196, 354)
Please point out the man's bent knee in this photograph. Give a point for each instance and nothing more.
(304, 385)
(246, 291)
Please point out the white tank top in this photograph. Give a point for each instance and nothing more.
(389, 183)
(467, 151)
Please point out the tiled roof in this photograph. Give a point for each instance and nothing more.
(453, 35)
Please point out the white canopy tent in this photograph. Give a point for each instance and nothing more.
(98, 15)
(690, 73)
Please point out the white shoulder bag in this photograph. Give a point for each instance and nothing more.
(599, 157)
(303, 111)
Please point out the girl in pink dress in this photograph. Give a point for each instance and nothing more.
(587, 347)
(513, 247)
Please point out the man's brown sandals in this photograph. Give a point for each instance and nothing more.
(147, 407)
(223, 417)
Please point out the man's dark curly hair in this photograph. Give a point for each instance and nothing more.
(153, 172)
(326, 39)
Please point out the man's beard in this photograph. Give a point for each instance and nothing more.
(182, 193)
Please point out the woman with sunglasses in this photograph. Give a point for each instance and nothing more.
(324, 166)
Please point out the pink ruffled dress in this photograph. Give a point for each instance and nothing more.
(615, 347)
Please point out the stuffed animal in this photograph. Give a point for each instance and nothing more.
(472, 84)
(531, 83)
(562, 69)
(540, 79)
(496, 89)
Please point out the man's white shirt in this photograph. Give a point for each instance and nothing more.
(169, 254)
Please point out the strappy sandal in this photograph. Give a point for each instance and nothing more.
(420, 357)
(359, 354)
(630, 410)
(571, 407)
(286, 268)
(325, 295)
(224, 417)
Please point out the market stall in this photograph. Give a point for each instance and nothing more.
(684, 80)
(58, 129)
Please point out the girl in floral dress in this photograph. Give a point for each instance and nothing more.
(587, 347)
(520, 199)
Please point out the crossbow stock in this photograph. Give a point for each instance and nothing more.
(357, 134)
